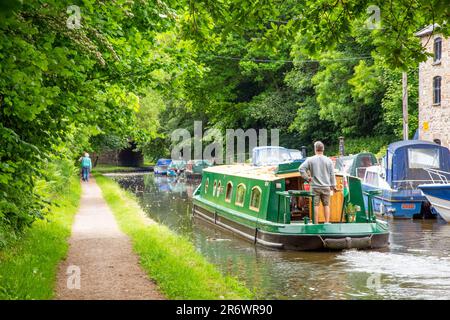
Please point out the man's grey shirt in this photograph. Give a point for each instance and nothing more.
(321, 171)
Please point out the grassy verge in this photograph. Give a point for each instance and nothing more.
(169, 259)
(28, 267)
(107, 168)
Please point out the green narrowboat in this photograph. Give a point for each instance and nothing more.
(271, 206)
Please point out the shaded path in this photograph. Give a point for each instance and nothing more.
(108, 266)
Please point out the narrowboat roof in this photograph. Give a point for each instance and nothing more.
(266, 173)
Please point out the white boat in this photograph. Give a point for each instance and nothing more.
(438, 192)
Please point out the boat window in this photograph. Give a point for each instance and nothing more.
(372, 178)
(219, 189)
(347, 165)
(255, 199)
(240, 195)
(423, 158)
(268, 156)
(206, 185)
(229, 192)
(214, 188)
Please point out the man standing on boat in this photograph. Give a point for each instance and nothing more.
(318, 171)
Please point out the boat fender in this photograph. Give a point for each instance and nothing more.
(347, 243)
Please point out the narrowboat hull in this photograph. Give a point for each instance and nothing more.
(294, 236)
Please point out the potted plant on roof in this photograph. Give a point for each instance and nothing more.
(350, 212)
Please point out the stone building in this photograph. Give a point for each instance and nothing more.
(434, 87)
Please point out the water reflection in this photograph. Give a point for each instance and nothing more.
(415, 266)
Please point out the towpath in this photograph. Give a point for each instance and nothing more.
(101, 263)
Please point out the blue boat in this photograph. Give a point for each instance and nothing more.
(161, 166)
(438, 192)
(403, 169)
(176, 168)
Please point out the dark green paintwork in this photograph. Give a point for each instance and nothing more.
(274, 213)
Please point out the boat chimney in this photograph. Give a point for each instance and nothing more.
(303, 150)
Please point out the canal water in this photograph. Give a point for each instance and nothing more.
(415, 266)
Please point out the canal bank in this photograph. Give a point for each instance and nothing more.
(168, 258)
(101, 264)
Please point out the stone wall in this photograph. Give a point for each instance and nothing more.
(434, 120)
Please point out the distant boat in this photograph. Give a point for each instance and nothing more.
(194, 168)
(268, 203)
(438, 192)
(356, 164)
(403, 169)
(176, 168)
(161, 166)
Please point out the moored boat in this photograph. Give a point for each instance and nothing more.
(176, 168)
(271, 205)
(356, 164)
(194, 168)
(397, 178)
(438, 192)
(162, 166)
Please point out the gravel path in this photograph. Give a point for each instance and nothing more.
(102, 255)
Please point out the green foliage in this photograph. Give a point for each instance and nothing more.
(373, 144)
(137, 70)
(28, 267)
(65, 90)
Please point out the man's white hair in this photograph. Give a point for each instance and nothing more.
(319, 146)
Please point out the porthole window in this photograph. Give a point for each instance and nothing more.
(240, 195)
(206, 185)
(219, 189)
(214, 188)
(229, 192)
(255, 199)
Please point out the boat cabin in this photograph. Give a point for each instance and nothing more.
(269, 203)
(274, 194)
(406, 162)
(355, 165)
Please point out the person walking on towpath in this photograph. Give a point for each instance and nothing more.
(86, 166)
(318, 171)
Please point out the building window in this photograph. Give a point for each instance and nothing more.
(255, 199)
(229, 192)
(240, 195)
(437, 49)
(206, 185)
(437, 90)
(214, 188)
